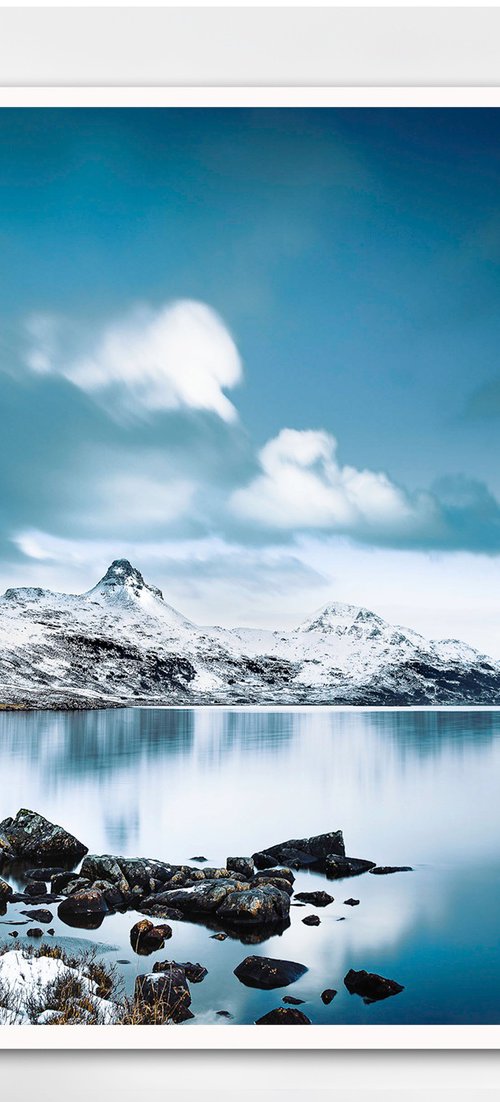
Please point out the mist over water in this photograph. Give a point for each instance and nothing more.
(411, 788)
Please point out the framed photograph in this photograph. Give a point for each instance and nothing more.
(249, 564)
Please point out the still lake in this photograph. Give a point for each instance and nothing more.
(419, 788)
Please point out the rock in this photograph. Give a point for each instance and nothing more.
(264, 861)
(14, 933)
(112, 894)
(146, 938)
(266, 906)
(78, 884)
(45, 874)
(34, 932)
(204, 897)
(32, 837)
(263, 878)
(195, 973)
(5, 891)
(267, 973)
(384, 870)
(35, 888)
(104, 868)
(165, 994)
(370, 986)
(198, 859)
(156, 909)
(223, 1014)
(318, 899)
(60, 880)
(218, 937)
(328, 995)
(244, 866)
(39, 915)
(140, 871)
(85, 908)
(6, 851)
(51, 932)
(292, 1000)
(351, 902)
(311, 920)
(284, 1015)
(301, 853)
(339, 867)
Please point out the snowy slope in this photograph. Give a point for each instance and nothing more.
(122, 643)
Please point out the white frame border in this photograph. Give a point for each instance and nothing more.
(331, 1037)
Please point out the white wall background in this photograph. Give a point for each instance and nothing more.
(224, 46)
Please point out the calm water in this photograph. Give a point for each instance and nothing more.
(412, 788)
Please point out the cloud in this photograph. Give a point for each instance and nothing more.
(179, 356)
(302, 485)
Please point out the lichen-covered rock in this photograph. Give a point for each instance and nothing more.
(204, 897)
(244, 866)
(267, 973)
(164, 995)
(284, 1015)
(262, 906)
(336, 868)
(5, 891)
(32, 837)
(370, 986)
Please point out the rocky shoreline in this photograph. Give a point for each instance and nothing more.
(248, 899)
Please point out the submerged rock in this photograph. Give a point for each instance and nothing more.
(339, 867)
(32, 837)
(292, 1000)
(284, 1015)
(370, 986)
(164, 995)
(267, 973)
(300, 853)
(385, 870)
(39, 915)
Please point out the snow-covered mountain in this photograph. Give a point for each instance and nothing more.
(122, 643)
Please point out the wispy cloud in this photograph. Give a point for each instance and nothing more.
(180, 356)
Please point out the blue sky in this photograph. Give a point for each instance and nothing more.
(257, 350)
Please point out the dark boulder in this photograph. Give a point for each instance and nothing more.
(78, 884)
(60, 880)
(299, 853)
(5, 891)
(262, 906)
(32, 837)
(164, 996)
(104, 868)
(34, 932)
(35, 888)
(204, 897)
(146, 938)
(284, 1015)
(292, 1000)
(385, 870)
(39, 915)
(199, 859)
(351, 902)
(156, 908)
(267, 973)
(264, 861)
(195, 973)
(370, 986)
(339, 867)
(328, 995)
(276, 881)
(244, 866)
(318, 899)
(311, 920)
(6, 851)
(82, 906)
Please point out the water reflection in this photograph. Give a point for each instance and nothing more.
(417, 788)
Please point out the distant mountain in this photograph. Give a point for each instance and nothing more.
(121, 643)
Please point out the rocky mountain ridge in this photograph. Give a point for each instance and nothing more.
(122, 644)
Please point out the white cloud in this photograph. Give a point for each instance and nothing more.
(179, 356)
(302, 485)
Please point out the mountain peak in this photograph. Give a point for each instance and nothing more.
(123, 579)
(341, 617)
